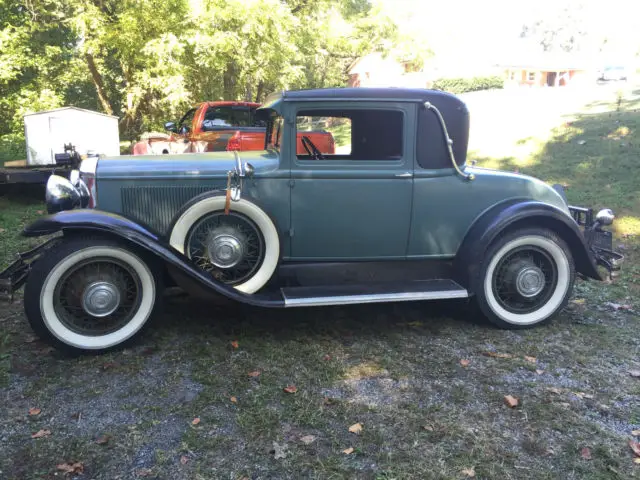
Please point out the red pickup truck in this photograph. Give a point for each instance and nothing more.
(219, 126)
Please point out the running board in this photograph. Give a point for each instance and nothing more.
(372, 293)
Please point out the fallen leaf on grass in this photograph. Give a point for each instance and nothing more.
(75, 467)
(634, 373)
(41, 433)
(636, 460)
(555, 390)
(585, 453)
(184, 459)
(355, 428)
(635, 446)
(195, 421)
(254, 374)
(617, 306)
(235, 344)
(539, 372)
(497, 355)
(290, 389)
(40, 212)
(2, 230)
(530, 359)
(233, 400)
(144, 472)
(307, 439)
(428, 428)
(348, 450)
(582, 395)
(469, 472)
(464, 362)
(34, 411)
(511, 401)
(635, 433)
(279, 451)
(326, 358)
(103, 439)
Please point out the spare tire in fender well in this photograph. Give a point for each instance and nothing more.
(512, 214)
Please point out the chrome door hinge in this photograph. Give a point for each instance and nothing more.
(291, 232)
(292, 182)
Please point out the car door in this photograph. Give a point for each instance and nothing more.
(353, 203)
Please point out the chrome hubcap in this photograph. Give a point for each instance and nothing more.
(530, 281)
(101, 299)
(225, 250)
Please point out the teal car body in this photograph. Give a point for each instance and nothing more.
(394, 213)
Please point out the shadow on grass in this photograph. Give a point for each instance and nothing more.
(189, 315)
(595, 155)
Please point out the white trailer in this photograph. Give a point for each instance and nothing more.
(48, 132)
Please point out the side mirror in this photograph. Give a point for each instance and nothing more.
(171, 127)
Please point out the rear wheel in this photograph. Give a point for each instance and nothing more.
(526, 280)
(90, 295)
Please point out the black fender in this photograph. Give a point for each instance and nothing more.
(518, 213)
(116, 226)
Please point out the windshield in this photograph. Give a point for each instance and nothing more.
(275, 127)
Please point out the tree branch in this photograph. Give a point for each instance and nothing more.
(98, 83)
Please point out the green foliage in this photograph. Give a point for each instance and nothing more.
(146, 61)
(462, 85)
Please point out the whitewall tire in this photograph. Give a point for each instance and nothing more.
(526, 279)
(90, 295)
(191, 216)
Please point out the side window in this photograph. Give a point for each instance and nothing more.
(350, 134)
(331, 135)
(186, 121)
(216, 118)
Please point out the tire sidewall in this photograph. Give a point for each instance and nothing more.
(556, 248)
(182, 226)
(46, 274)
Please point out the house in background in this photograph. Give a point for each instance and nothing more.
(545, 69)
(377, 70)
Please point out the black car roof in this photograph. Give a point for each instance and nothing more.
(410, 94)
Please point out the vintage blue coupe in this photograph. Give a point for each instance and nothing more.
(393, 214)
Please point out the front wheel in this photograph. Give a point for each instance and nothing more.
(90, 295)
(526, 279)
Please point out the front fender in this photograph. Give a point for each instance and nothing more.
(519, 214)
(117, 226)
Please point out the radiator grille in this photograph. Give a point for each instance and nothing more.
(156, 206)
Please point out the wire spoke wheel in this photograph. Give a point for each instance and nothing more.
(524, 279)
(97, 296)
(229, 247)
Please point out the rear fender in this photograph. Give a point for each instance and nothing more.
(116, 226)
(519, 214)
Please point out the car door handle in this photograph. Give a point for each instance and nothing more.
(404, 175)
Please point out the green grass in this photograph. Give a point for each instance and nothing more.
(393, 368)
(18, 209)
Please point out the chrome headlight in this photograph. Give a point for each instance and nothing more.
(61, 195)
(605, 217)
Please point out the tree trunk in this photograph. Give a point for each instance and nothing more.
(260, 91)
(98, 83)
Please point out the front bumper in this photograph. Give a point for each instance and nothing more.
(599, 241)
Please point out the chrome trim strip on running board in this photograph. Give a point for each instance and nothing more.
(373, 298)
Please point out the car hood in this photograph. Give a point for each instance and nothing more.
(201, 165)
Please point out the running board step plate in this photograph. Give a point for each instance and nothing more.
(372, 293)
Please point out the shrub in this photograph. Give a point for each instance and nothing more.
(462, 85)
(12, 147)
